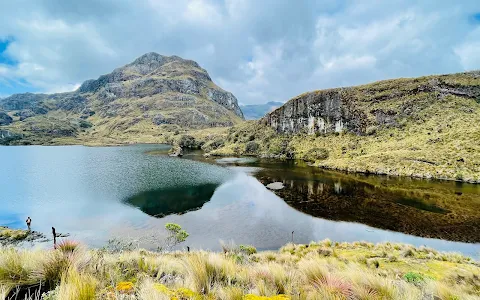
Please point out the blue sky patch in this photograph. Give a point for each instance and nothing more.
(476, 18)
(4, 59)
(9, 87)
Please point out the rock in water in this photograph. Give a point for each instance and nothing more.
(275, 186)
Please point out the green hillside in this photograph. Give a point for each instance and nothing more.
(424, 127)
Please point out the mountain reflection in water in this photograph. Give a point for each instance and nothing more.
(427, 208)
(175, 200)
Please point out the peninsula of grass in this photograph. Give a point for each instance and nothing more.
(10, 236)
(319, 270)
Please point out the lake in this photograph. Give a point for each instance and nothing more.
(130, 192)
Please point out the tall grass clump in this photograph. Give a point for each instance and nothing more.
(77, 286)
(17, 266)
(67, 245)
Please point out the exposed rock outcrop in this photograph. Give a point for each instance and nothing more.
(5, 119)
(357, 108)
(322, 111)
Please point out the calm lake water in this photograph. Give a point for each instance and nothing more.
(98, 193)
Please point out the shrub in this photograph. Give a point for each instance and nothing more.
(412, 277)
(409, 252)
(213, 145)
(85, 124)
(325, 251)
(13, 234)
(54, 267)
(248, 249)
(392, 258)
(176, 235)
(187, 141)
(316, 154)
(373, 262)
(334, 287)
(252, 147)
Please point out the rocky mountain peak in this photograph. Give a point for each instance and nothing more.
(151, 92)
(152, 74)
(152, 61)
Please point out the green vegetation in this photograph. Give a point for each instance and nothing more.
(13, 234)
(319, 270)
(176, 235)
(419, 127)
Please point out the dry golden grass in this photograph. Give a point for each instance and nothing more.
(294, 272)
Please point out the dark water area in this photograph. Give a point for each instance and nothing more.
(98, 193)
(428, 208)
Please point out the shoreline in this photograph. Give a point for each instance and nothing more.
(346, 170)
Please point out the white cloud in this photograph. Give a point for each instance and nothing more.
(468, 52)
(63, 88)
(201, 11)
(341, 63)
(469, 55)
(268, 50)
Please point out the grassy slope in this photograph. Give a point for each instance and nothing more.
(322, 270)
(437, 139)
(128, 120)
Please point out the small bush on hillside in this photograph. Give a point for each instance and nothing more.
(248, 249)
(316, 154)
(213, 145)
(188, 141)
(412, 277)
(84, 124)
(252, 147)
(325, 251)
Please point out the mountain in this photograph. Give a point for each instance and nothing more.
(421, 127)
(143, 101)
(257, 111)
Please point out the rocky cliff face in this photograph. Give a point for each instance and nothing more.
(153, 91)
(422, 127)
(358, 109)
(318, 112)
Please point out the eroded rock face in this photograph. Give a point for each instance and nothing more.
(356, 109)
(317, 112)
(225, 99)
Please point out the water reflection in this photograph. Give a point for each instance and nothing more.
(177, 200)
(445, 210)
(98, 193)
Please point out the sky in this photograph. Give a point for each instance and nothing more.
(260, 50)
